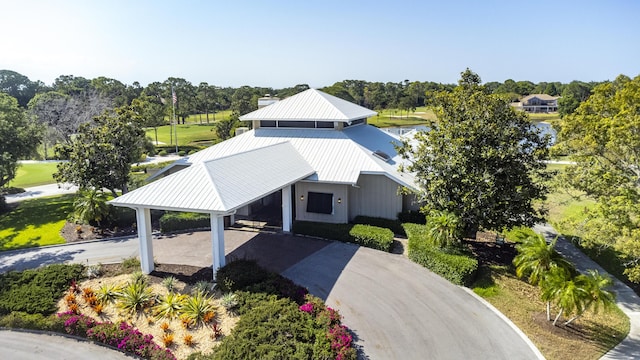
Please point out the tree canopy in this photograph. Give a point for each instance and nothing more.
(20, 137)
(101, 154)
(482, 160)
(603, 138)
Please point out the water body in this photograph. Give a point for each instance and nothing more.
(545, 128)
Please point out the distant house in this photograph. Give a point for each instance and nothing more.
(311, 157)
(538, 103)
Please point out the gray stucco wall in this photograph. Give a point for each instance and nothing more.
(340, 210)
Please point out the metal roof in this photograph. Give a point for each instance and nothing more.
(224, 183)
(311, 105)
(336, 156)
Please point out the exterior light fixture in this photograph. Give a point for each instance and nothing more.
(339, 200)
(301, 197)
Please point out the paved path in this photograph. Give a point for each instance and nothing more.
(400, 310)
(397, 308)
(20, 345)
(626, 298)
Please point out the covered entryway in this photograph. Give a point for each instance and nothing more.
(219, 187)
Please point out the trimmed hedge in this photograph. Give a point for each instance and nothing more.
(458, 268)
(393, 225)
(36, 291)
(176, 221)
(338, 232)
(372, 236)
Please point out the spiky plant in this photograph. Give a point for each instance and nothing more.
(169, 282)
(134, 297)
(202, 287)
(107, 293)
(139, 277)
(230, 302)
(169, 306)
(196, 307)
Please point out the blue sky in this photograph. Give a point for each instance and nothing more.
(284, 43)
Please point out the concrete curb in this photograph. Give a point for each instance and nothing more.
(506, 320)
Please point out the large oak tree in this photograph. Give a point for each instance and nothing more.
(481, 160)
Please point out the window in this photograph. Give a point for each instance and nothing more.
(267, 123)
(296, 124)
(320, 203)
(324, 124)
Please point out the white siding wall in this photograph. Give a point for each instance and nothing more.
(376, 196)
(409, 203)
(340, 214)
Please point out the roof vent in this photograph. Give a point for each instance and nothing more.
(382, 155)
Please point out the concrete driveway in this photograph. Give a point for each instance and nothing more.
(397, 309)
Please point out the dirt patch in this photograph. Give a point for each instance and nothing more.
(81, 232)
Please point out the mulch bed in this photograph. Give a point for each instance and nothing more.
(488, 252)
(185, 273)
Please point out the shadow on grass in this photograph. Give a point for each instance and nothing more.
(36, 213)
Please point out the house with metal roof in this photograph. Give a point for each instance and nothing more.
(538, 103)
(312, 154)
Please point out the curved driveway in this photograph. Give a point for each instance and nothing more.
(397, 309)
(400, 310)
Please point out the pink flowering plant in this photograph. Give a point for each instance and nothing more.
(338, 337)
(121, 336)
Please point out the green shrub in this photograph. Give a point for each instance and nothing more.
(22, 320)
(192, 152)
(181, 153)
(393, 225)
(121, 217)
(176, 221)
(273, 329)
(10, 190)
(239, 274)
(458, 268)
(163, 153)
(172, 148)
(372, 236)
(338, 232)
(518, 234)
(36, 291)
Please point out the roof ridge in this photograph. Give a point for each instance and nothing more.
(213, 183)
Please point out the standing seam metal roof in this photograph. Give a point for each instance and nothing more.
(311, 105)
(225, 183)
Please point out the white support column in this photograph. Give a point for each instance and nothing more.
(143, 217)
(287, 216)
(217, 242)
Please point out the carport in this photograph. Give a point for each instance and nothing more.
(218, 187)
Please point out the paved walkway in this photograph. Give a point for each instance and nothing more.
(626, 298)
(20, 345)
(397, 309)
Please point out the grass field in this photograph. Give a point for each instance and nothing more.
(550, 118)
(34, 174)
(395, 117)
(202, 118)
(187, 134)
(588, 338)
(35, 222)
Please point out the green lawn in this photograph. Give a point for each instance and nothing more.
(202, 118)
(395, 118)
(187, 134)
(565, 205)
(550, 118)
(35, 222)
(589, 338)
(34, 174)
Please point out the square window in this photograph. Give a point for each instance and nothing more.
(320, 203)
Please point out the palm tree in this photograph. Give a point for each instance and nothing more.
(91, 205)
(443, 228)
(552, 284)
(535, 258)
(595, 286)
